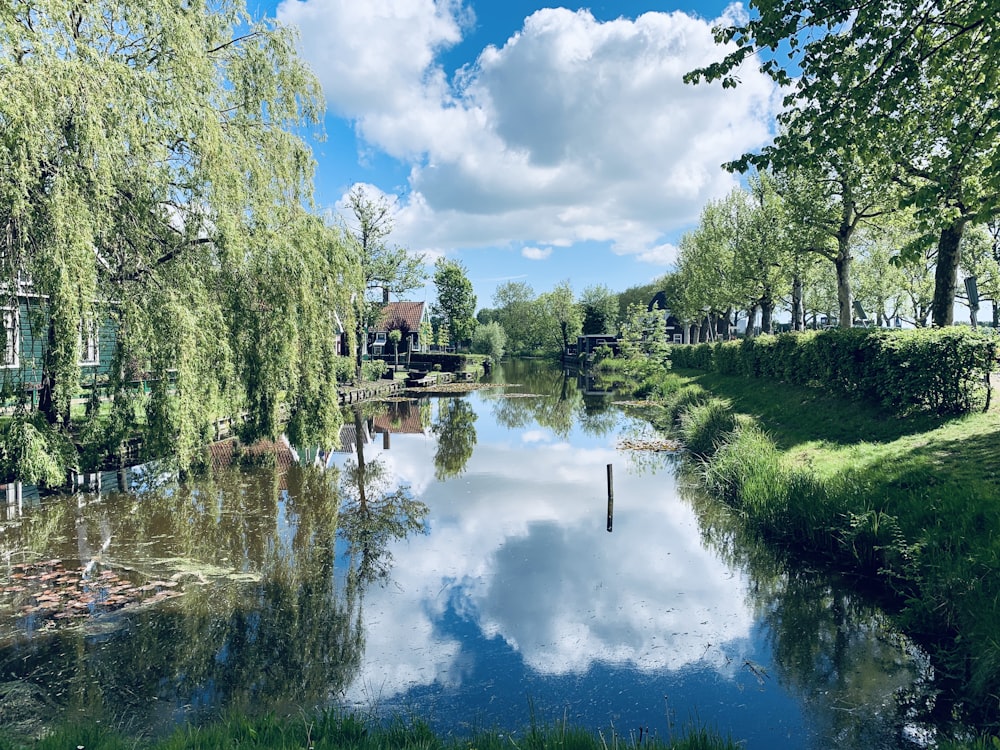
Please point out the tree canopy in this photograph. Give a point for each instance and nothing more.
(150, 172)
(456, 302)
(910, 85)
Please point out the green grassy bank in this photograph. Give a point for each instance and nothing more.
(336, 731)
(910, 503)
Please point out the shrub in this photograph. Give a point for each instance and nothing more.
(373, 369)
(703, 427)
(940, 371)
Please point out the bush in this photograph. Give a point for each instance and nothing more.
(373, 369)
(940, 371)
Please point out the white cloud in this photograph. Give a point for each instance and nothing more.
(574, 130)
(536, 253)
(661, 255)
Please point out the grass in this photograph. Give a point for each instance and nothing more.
(913, 503)
(340, 731)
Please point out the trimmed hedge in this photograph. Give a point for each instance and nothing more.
(936, 370)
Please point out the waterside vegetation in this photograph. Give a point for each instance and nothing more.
(339, 731)
(906, 503)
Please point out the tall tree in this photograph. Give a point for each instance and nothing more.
(827, 200)
(384, 269)
(518, 314)
(456, 302)
(150, 171)
(559, 306)
(913, 82)
(600, 309)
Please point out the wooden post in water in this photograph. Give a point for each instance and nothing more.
(611, 497)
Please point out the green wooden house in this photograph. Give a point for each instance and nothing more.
(24, 342)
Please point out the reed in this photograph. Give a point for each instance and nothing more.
(911, 504)
(334, 730)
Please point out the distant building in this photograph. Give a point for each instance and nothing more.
(405, 317)
(674, 327)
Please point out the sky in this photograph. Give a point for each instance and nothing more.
(530, 143)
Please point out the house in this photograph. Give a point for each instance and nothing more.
(405, 317)
(674, 327)
(25, 336)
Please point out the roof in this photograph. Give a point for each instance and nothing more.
(402, 315)
(400, 417)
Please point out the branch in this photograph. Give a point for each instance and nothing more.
(231, 42)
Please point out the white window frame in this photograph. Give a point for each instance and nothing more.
(12, 329)
(90, 351)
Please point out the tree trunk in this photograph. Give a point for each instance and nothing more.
(946, 276)
(766, 315)
(798, 308)
(844, 296)
(751, 321)
(47, 392)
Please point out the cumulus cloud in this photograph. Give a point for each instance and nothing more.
(573, 130)
(536, 253)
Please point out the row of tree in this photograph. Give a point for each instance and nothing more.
(889, 110)
(788, 243)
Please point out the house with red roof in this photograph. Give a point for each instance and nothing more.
(404, 317)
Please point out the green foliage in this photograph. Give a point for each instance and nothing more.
(913, 510)
(490, 339)
(643, 334)
(600, 310)
(374, 369)
(335, 730)
(456, 302)
(33, 451)
(940, 371)
(152, 176)
(517, 311)
(704, 427)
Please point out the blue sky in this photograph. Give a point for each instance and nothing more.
(529, 142)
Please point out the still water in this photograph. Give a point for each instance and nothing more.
(450, 560)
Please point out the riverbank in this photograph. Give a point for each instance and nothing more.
(910, 504)
(336, 731)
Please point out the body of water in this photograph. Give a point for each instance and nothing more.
(451, 560)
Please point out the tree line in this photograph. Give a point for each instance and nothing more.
(888, 140)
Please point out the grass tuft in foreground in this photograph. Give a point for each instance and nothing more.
(340, 731)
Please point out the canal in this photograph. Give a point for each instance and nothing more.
(450, 560)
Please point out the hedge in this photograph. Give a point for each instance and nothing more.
(936, 370)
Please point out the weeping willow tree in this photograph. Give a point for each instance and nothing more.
(151, 174)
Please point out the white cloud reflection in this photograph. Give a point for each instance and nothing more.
(518, 546)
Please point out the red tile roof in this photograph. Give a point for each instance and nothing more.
(403, 315)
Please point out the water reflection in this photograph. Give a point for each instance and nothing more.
(261, 624)
(859, 680)
(449, 558)
(375, 510)
(455, 430)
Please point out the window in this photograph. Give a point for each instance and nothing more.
(11, 338)
(90, 354)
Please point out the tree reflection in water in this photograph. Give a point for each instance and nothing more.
(263, 624)
(455, 429)
(373, 512)
(833, 648)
